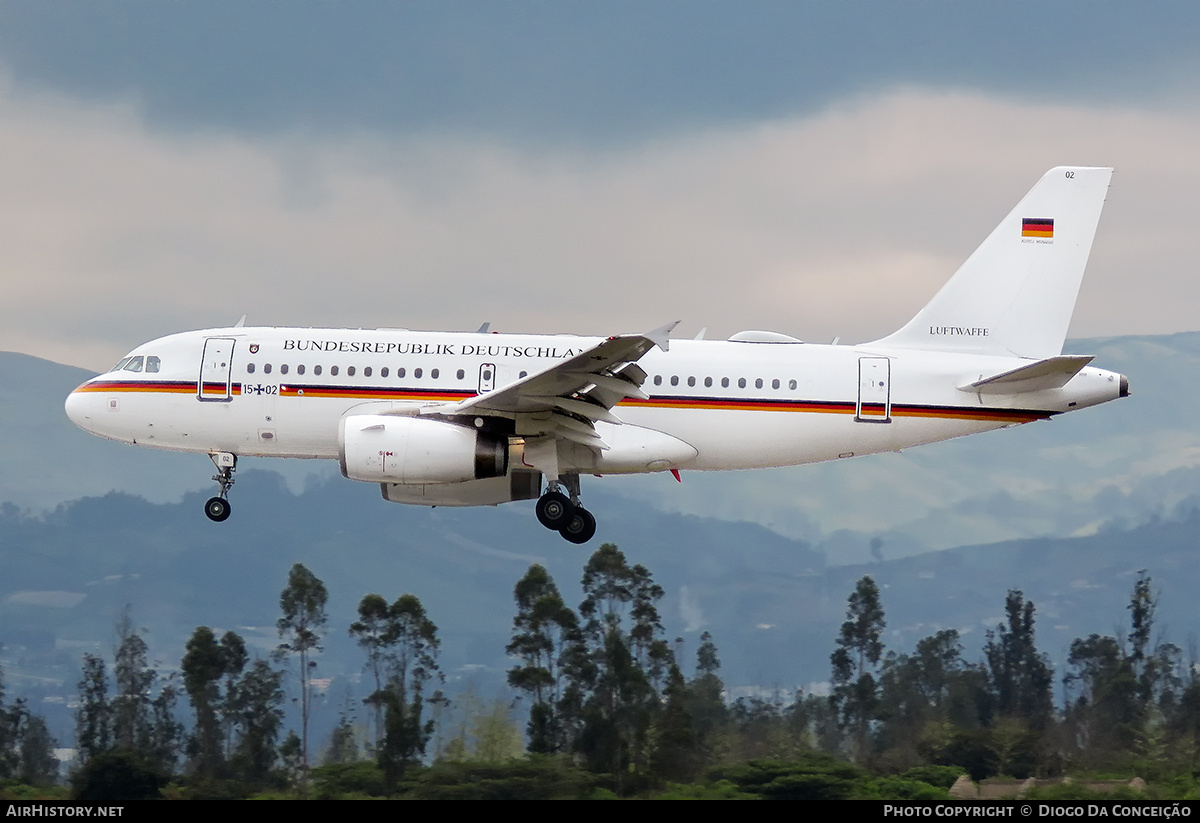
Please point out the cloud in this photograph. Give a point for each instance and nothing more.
(839, 224)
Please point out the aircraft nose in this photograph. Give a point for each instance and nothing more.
(79, 406)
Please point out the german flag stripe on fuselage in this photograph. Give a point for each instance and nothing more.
(659, 402)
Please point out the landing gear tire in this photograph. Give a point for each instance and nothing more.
(554, 510)
(580, 528)
(217, 509)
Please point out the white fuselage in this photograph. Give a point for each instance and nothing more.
(282, 392)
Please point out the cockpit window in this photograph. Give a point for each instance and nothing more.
(121, 364)
(152, 364)
(134, 364)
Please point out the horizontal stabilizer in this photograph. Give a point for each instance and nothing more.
(1051, 373)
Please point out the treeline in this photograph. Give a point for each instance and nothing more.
(1131, 703)
(610, 707)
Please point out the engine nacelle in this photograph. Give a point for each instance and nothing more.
(520, 484)
(381, 448)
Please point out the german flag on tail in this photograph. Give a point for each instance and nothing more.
(1037, 227)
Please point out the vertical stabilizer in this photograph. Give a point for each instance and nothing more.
(1016, 293)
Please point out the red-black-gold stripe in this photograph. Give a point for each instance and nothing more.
(659, 402)
(1037, 227)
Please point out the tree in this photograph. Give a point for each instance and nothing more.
(168, 732)
(39, 766)
(482, 731)
(706, 702)
(541, 632)
(257, 707)
(343, 741)
(233, 658)
(93, 718)
(1154, 665)
(130, 707)
(617, 671)
(856, 663)
(1102, 703)
(674, 753)
(412, 649)
(303, 605)
(1020, 677)
(370, 630)
(203, 667)
(1119, 693)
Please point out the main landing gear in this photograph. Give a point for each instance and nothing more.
(565, 515)
(217, 508)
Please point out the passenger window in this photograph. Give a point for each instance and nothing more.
(134, 364)
(674, 380)
(267, 368)
(707, 382)
(316, 369)
(691, 381)
(524, 374)
(792, 384)
(367, 371)
(461, 374)
(434, 374)
(741, 382)
(400, 372)
(658, 379)
(417, 374)
(724, 382)
(152, 364)
(775, 383)
(300, 369)
(383, 372)
(333, 370)
(758, 383)
(283, 369)
(249, 368)
(349, 371)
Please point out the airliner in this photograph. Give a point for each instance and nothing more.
(479, 419)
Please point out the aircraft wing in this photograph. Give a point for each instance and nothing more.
(566, 399)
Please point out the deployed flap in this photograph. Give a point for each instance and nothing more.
(1051, 373)
(585, 387)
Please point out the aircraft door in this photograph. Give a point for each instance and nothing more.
(487, 377)
(874, 390)
(216, 367)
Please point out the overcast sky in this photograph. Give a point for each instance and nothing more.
(814, 168)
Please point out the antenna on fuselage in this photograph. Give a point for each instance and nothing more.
(241, 322)
(700, 336)
(484, 328)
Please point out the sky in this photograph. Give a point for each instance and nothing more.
(817, 169)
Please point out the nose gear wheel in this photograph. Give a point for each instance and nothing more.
(217, 508)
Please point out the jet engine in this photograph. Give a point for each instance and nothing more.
(408, 450)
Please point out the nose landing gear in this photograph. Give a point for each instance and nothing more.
(563, 514)
(217, 508)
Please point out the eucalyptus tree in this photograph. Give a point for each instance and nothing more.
(402, 648)
(93, 718)
(856, 663)
(303, 603)
(620, 659)
(1019, 675)
(542, 629)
